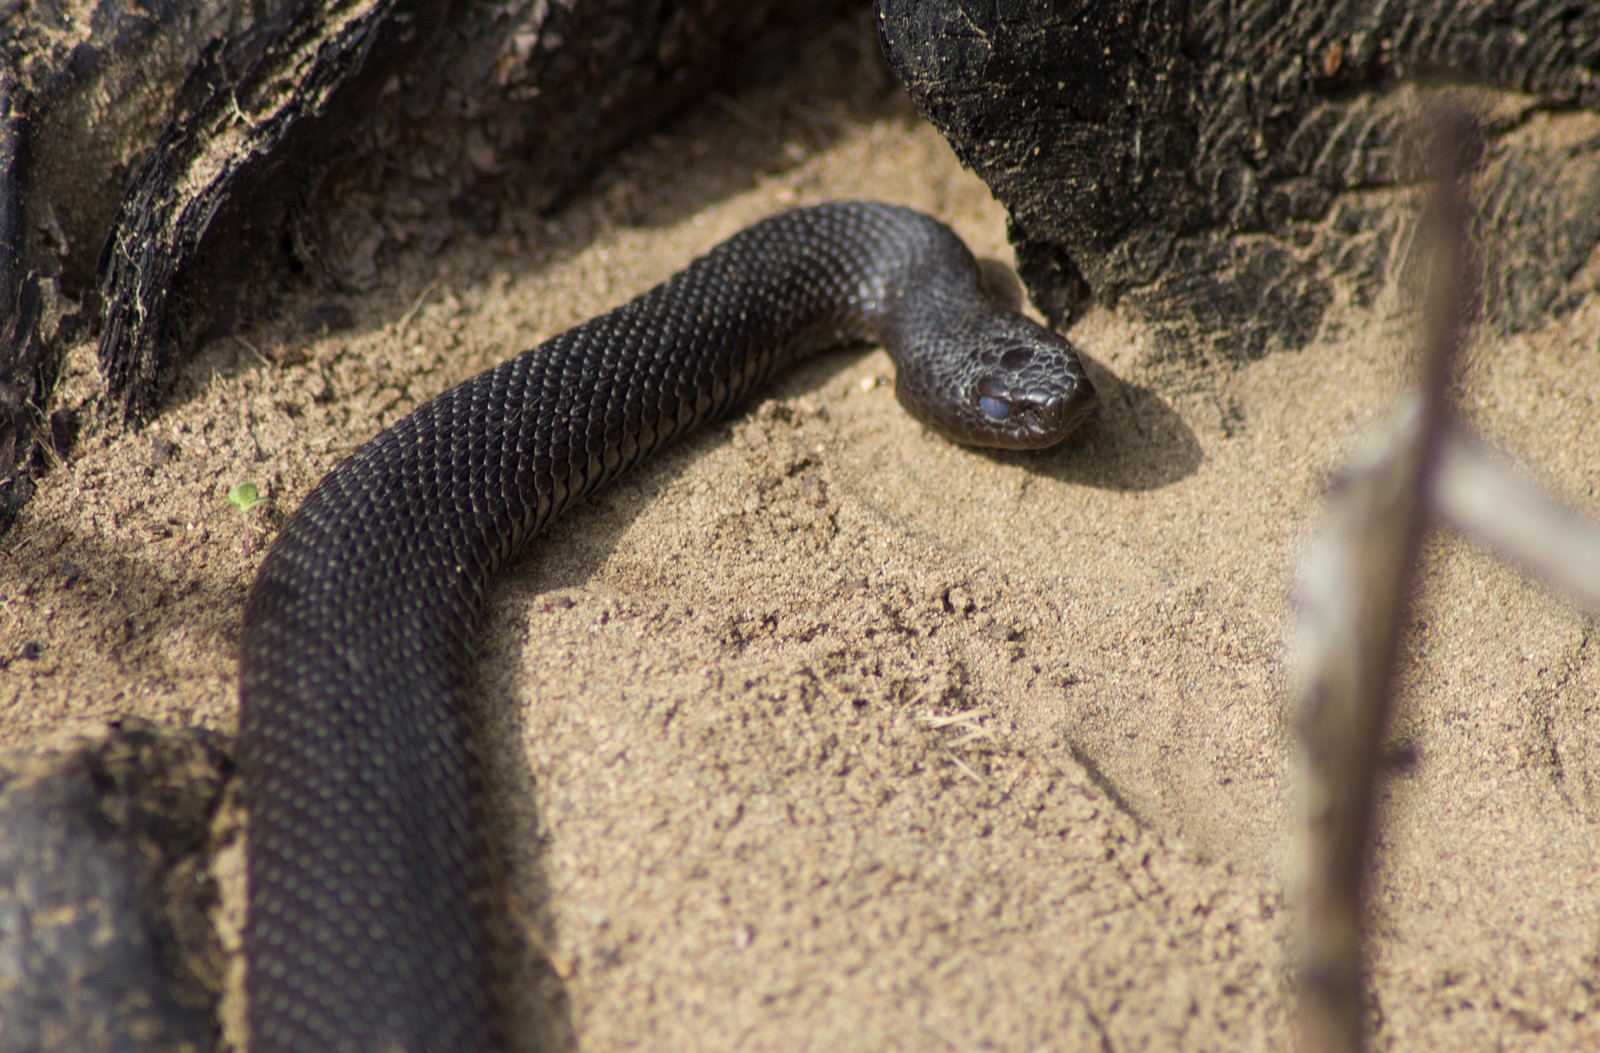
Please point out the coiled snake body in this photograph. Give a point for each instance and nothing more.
(368, 923)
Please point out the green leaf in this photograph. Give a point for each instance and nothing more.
(245, 497)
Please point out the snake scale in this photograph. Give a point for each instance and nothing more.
(369, 921)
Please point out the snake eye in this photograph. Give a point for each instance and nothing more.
(993, 408)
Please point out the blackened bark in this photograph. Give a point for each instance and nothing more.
(1231, 170)
(242, 140)
(106, 892)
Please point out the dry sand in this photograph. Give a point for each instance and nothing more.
(819, 733)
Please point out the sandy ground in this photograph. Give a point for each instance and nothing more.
(819, 733)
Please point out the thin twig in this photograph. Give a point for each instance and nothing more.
(742, 113)
(253, 349)
(1489, 499)
(416, 305)
(1353, 593)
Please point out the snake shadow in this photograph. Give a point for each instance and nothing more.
(535, 1011)
(535, 1002)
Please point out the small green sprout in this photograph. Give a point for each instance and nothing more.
(245, 497)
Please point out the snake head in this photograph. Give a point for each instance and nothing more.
(996, 379)
(1029, 394)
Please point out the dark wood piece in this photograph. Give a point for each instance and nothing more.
(1229, 171)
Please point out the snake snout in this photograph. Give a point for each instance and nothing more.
(1054, 413)
(1063, 411)
(1035, 416)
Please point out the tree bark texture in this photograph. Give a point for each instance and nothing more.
(1232, 171)
(158, 160)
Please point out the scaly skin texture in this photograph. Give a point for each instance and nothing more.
(368, 923)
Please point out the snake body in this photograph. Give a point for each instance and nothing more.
(368, 918)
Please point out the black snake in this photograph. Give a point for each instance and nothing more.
(368, 916)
